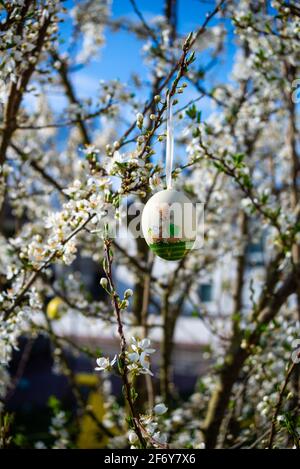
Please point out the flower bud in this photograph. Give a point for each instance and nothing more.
(132, 437)
(128, 293)
(104, 283)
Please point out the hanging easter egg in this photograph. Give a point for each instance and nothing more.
(169, 224)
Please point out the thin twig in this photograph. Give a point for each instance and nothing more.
(279, 403)
(123, 344)
(140, 431)
(143, 21)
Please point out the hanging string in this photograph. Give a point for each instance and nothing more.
(170, 142)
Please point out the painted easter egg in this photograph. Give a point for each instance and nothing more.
(169, 224)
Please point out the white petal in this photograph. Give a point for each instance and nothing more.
(133, 357)
(160, 409)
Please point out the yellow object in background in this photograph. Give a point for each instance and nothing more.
(87, 379)
(53, 308)
(90, 436)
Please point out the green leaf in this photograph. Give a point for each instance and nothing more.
(54, 403)
(191, 58)
(20, 440)
(238, 159)
(246, 180)
(134, 394)
(196, 132)
(219, 166)
(192, 111)
(120, 364)
(129, 420)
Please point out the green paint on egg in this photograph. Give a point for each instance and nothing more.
(169, 224)
(171, 251)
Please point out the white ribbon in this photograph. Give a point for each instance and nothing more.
(170, 142)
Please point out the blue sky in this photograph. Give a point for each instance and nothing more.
(122, 54)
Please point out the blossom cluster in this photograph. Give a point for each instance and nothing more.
(137, 358)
